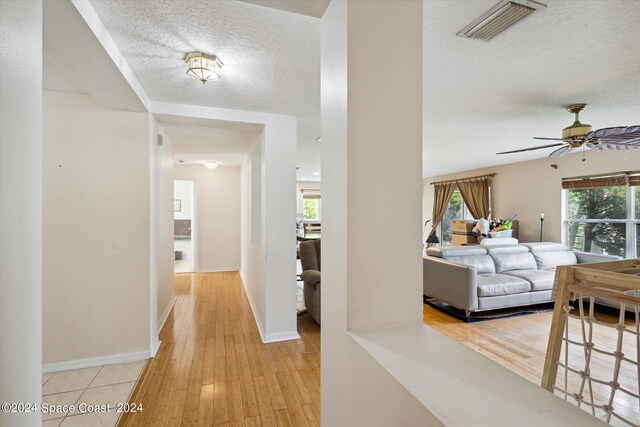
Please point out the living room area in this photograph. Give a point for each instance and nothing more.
(519, 153)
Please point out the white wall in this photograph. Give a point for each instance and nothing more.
(304, 185)
(21, 208)
(164, 247)
(253, 265)
(534, 187)
(97, 230)
(217, 205)
(183, 191)
(268, 236)
(372, 272)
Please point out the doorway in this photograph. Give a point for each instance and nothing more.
(184, 226)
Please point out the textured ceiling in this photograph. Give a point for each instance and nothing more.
(307, 7)
(481, 98)
(271, 58)
(197, 140)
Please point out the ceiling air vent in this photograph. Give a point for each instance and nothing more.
(499, 18)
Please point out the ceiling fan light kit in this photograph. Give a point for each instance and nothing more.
(499, 18)
(580, 135)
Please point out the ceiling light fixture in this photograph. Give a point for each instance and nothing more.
(210, 165)
(203, 66)
(499, 18)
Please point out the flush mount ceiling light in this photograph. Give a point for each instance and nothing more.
(203, 66)
(499, 18)
(210, 165)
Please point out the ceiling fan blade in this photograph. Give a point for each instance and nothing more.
(560, 151)
(610, 145)
(531, 149)
(615, 134)
(548, 139)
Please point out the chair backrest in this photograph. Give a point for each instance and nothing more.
(310, 255)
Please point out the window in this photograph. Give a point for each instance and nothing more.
(311, 206)
(456, 210)
(604, 220)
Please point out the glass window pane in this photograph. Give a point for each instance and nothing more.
(311, 209)
(454, 211)
(598, 203)
(600, 238)
(637, 191)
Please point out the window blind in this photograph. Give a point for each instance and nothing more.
(599, 181)
(311, 194)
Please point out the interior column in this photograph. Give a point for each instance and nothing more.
(21, 209)
(372, 201)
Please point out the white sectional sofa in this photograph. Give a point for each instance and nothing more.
(477, 278)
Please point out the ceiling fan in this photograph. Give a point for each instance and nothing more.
(580, 135)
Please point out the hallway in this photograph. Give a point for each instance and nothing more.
(213, 369)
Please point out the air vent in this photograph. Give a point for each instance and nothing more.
(499, 18)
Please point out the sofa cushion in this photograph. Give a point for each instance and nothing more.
(541, 280)
(482, 263)
(514, 261)
(508, 241)
(449, 251)
(545, 246)
(507, 249)
(491, 285)
(551, 259)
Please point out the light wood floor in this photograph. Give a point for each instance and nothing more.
(520, 343)
(213, 369)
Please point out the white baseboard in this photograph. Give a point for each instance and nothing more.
(96, 361)
(165, 313)
(155, 345)
(268, 338)
(218, 270)
(255, 313)
(281, 336)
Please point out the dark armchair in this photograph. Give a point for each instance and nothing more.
(310, 260)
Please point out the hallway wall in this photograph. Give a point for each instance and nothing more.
(96, 231)
(217, 213)
(164, 176)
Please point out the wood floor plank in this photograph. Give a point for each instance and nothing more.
(265, 409)
(220, 404)
(213, 368)
(234, 399)
(205, 415)
(175, 408)
(283, 419)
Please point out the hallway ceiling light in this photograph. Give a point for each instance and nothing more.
(203, 66)
(210, 165)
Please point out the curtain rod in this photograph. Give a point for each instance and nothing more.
(465, 179)
(604, 175)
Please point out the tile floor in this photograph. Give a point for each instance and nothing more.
(103, 385)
